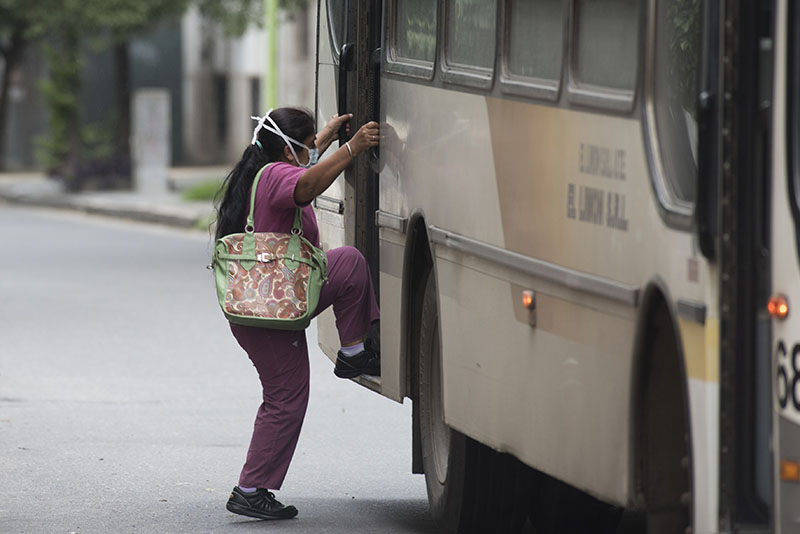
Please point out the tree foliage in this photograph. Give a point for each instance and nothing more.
(20, 24)
(66, 26)
(237, 15)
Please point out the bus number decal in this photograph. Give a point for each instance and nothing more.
(787, 376)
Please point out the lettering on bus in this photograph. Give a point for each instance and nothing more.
(596, 206)
(616, 212)
(602, 161)
(591, 205)
(787, 376)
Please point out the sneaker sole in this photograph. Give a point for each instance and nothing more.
(249, 512)
(353, 373)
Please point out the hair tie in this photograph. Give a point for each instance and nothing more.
(258, 143)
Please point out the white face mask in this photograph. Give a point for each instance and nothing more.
(313, 153)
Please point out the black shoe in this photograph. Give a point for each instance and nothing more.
(261, 504)
(366, 362)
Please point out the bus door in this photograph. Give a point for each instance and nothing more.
(745, 263)
(348, 77)
(785, 223)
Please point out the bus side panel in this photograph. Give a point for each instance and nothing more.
(785, 281)
(393, 351)
(528, 179)
(701, 350)
(557, 395)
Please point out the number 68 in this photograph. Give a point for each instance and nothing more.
(788, 376)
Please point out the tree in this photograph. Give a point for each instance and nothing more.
(20, 25)
(124, 20)
(108, 23)
(65, 27)
(237, 15)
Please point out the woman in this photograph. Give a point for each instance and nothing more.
(285, 138)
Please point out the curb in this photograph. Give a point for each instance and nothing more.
(175, 216)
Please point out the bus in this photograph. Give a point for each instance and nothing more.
(583, 226)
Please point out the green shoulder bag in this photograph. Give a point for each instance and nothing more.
(268, 279)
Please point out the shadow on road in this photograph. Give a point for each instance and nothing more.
(335, 516)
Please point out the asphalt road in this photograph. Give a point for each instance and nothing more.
(127, 406)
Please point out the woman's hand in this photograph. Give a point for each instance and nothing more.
(330, 132)
(366, 137)
(317, 179)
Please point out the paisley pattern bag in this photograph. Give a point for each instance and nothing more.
(269, 279)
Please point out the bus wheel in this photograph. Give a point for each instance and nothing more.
(664, 424)
(444, 451)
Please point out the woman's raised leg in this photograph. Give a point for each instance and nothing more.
(349, 290)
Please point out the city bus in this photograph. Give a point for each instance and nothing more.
(583, 225)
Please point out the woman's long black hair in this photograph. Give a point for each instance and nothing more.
(232, 200)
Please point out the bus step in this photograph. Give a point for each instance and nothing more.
(370, 382)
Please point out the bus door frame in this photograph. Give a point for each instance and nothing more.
(357, 87)
(744, 268)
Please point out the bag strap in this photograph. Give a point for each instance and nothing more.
(249, 239)
(297, 226)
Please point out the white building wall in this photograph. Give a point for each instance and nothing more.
(199, 43)
(246, 58)
(296, 59)
(209, 56)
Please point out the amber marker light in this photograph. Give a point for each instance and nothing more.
(527, 299)
(790, 471)
(778, 307)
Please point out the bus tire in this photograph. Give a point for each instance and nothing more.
(444, 450)
(504, 486)
(664, 430)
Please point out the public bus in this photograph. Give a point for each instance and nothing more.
(583, 225)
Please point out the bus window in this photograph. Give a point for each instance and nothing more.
(535, 38)
(336, 23)
(533, 47)
(470, 41)
(413, 31)
(606, 43)
(793, 118)
(415, 36)
(677, 42)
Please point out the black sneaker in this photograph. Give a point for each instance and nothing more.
(261, 504)
(366, 362)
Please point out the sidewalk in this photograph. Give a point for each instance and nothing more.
(34, 189)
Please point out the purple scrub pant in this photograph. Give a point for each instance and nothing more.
(281, 359)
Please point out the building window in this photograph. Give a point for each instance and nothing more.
(221, 99)
(255, 96)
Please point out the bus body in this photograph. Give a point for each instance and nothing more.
(785, 246)
(551, 221)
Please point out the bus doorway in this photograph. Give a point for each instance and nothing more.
(746, 262)
(347, 81)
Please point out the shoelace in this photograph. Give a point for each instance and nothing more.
(265, 500)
